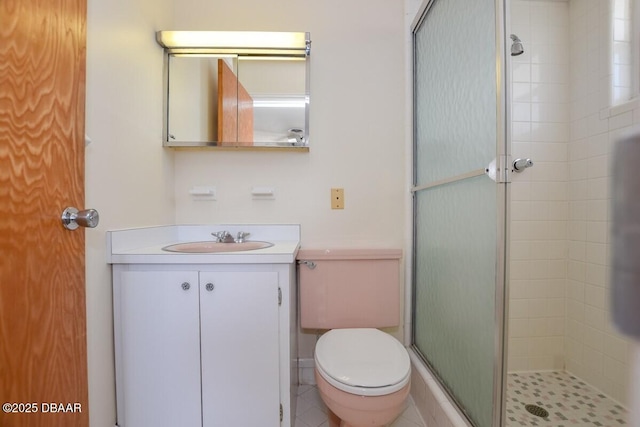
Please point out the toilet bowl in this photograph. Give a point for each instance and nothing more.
(362, 373)
(363, 376)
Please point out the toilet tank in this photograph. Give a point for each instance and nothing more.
(349, 288)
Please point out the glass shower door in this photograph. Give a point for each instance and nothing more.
(459, 211)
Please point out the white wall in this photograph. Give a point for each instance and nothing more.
(357, 129)
(129, 177)
(358, 140)
(561, 118)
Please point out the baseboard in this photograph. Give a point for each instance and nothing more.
(306, 369)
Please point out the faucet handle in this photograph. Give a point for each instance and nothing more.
(221, 236)
(241, 236)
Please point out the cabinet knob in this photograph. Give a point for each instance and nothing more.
(209, 287)
(186, 286)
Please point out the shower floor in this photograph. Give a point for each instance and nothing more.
(568, 400)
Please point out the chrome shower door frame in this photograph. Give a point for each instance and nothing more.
(503, 159)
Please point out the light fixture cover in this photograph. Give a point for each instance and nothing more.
(246, 40)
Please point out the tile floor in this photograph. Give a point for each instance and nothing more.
(568, 400)
(311, 411)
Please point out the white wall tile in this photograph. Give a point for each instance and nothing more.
(556, 308)
(593, 361)
(598, 167)
(553, 93)
(621, 120)
(519, 327)
(596, 253)
(520, 210)
(597, 231)
(519, 289)
(559, 211)
(521, 131)
(615, 370)
(556, 288)
(578, 170)
(521, 92)
(521, 73)
(550, 112)
(577, 250)
(577, 230)
(575, 311)
(594, 296)
(576, 271)
(596, 274)
(565, 198)
(598, 145)
(521, 112)
(538, 307)
(598, 188)
(616, 348)
(549, 152)
(519, 309)
(594, 317)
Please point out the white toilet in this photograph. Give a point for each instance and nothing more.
(363, 374)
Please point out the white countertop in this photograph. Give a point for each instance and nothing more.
(144, 245)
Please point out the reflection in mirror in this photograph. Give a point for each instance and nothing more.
(193, 98)
(237, 99)
(278, 89)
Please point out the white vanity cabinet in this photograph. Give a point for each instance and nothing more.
(204, 345)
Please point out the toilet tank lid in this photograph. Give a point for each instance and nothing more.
(347, 253)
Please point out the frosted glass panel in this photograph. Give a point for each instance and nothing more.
(456, 224)
(455, 89)
(455, 295)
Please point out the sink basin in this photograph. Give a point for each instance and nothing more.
(213, 247)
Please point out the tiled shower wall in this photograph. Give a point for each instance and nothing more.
(594, 350)
(561, 87)
(539, 214)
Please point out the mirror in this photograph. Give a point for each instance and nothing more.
(238, 98)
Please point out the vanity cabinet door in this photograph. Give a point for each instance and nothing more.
(240, 349)
(160, 349)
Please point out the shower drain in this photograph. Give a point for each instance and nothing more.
(537, 411)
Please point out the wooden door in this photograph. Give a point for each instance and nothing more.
(43, 346)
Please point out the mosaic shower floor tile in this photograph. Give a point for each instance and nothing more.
(560, 400)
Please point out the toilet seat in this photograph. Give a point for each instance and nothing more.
(362, 361)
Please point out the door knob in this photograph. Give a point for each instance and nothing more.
(72, 218)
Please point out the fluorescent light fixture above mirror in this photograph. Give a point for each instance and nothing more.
(243, 42)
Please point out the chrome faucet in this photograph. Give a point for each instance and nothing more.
(226, 237)
(521, 164)
(223, 237)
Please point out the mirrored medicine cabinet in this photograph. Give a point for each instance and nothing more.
(236, 89)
